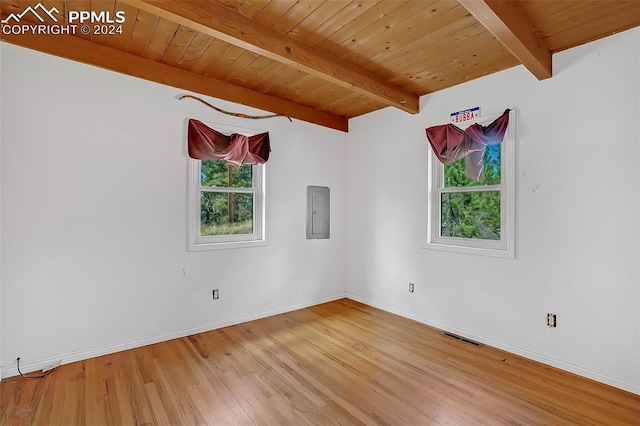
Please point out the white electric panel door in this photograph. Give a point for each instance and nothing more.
(318, 212)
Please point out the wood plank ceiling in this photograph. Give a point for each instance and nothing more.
(325, 61)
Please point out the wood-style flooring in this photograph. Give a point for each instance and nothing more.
(337, 363)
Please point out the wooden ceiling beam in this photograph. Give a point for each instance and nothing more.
(213, 19)
(81, 50)
(509, 25)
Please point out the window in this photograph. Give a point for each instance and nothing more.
(226, 205)
(474, 217)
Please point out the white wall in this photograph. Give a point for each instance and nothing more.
(94, 193)
(1, 137)
(577, 216)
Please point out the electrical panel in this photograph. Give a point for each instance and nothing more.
(318, 217)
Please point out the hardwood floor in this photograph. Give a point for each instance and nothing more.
(336, 363)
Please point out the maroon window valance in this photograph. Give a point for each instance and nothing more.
(206, 143)
(450, 143)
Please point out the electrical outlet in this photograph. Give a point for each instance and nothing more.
(412, 287)
(552, 321)
(216, 294)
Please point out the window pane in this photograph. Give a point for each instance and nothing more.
(220, 174)
(470, 215)
(214, 173)
(218, 219)
(242, 177)
(454, 172)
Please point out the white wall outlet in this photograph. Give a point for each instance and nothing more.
(216, 294)
(412, 287)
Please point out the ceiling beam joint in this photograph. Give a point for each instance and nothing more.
(510, 26)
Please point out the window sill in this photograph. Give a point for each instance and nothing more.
(477, 251)
(227, 245)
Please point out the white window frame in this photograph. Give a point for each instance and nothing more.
(505, 247)
(199, 242)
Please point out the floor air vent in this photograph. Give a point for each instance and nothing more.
(462, 339)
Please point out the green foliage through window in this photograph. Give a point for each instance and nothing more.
(454, 173)
(220, 174)
(472, 214)
(228, 212)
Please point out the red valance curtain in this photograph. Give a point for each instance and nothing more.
(206, 143)
(450, 143)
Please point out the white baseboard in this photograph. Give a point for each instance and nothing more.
(608, 379)
(9, 370)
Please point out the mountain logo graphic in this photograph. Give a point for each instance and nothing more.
(34, 12)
